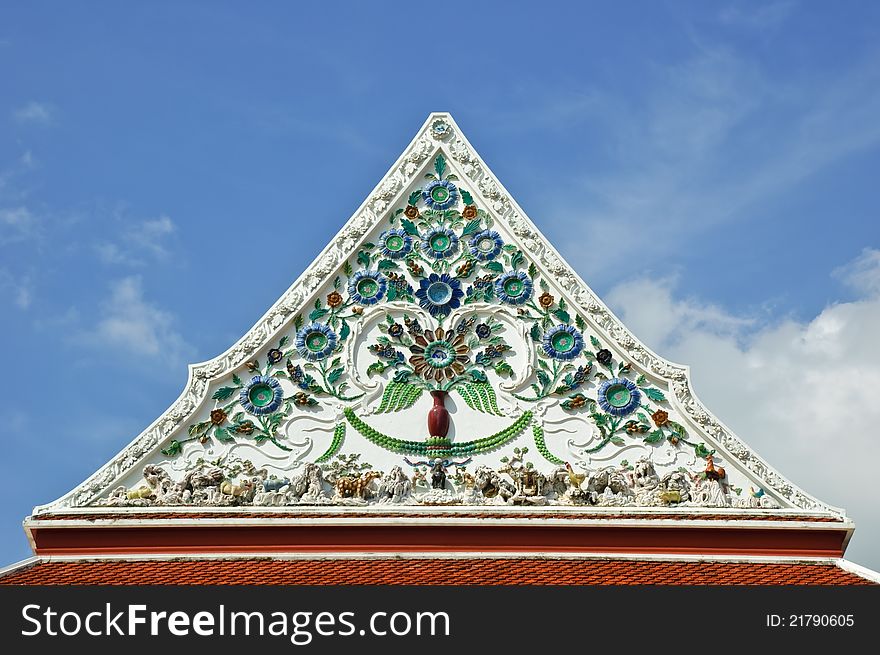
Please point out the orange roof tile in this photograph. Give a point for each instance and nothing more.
(469, 571)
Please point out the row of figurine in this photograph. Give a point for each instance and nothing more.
(440, 482)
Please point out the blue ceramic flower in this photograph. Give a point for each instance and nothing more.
(563, 342)
(439, 294)
(619, 396)
(367, 287)
(439, 243)
(315, 341)
(514, 287)
(440, 194)
(262, 395)
(395, 244)
(486, 245)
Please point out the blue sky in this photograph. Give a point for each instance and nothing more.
(167, 169)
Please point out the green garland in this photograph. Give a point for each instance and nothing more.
(335, 445)
(538, 433)
(475, 447)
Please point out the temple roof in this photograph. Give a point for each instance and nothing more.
(427, 571)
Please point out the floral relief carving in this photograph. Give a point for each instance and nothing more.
(440, 197)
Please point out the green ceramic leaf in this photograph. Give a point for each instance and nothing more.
(222, 434)
(503, 369)
(344, 331)
(533, 270)
(516, 259)
(678, 428)
(466, 197)
(561, 314)
(363, 258)
(224, 393)
(595, 342)
(409, 227)
(440, 166)
(654, 394)
(478, 375)
(236, 380)
(398, 396)
(414, 197)
(298, 322)
(641, 381)
(173, 449)
(334, 375)
(495, 267)
(471, 227)
(654, 437)
(535, 332)
(315, 314)
(579, 321)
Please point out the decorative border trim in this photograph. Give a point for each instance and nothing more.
(353, 555)
(426, 143)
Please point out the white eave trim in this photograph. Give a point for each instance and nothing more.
(20, 566)
(444, 555)
(859, 570)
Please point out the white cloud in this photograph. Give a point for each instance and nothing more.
(20, 289)
(760, 16)
(38, 113)
(710, 138)
(142, 238)
(17, 224)
(863, 273)
(130, 323)
(802, 394)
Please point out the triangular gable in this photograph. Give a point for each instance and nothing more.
(439, 297)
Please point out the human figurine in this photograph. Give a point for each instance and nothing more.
(438, 475)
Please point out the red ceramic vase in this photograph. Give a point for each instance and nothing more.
(438, 416)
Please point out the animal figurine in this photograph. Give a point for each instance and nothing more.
(140, 492)
(243, 488)
(355, 487)
(575, 479)
(274, 484)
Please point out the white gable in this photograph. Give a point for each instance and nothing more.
(439, 283)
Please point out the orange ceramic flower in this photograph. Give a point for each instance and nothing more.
(411, 211)
(218, 417)
(334, 299)
(469, 212)
(660, 418)
(546, 300)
